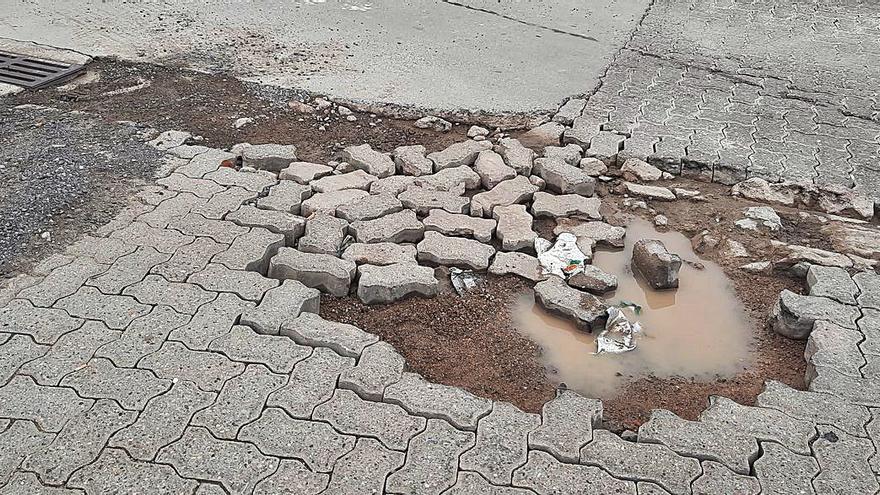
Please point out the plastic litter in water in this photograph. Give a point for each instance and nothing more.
(618, 335)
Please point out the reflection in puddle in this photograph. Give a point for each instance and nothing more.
(697, 331)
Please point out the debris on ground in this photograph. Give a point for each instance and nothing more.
(618, 334)
(563, 258)
(658, 266)
(464, 281)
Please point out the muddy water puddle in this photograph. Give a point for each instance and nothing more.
(698, 331)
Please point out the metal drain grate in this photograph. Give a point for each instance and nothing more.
(34, 73)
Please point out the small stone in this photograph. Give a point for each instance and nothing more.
(411, 160)
(758, 267)
(765, 215)
(634, 169)
(351, 180)
(476, 130)
(733, 249)
(389, 283)
(587, 311)
(564, 178)
(492, 170)
(514, 228)
(508, 192)
(650, 192)
(304, 172)
(434, 123)
(594, 280)
(460, 225)
(454, 251)
(661, 221)
(458, 154)
(538, 182)
(399, 227)
(271, 157)
(300, 107)
(658, 266)
(516, 155)
(565, 205)
(363, 157)
(320, 271)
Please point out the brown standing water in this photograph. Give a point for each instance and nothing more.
(699, 331)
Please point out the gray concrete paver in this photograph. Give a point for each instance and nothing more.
(311, 383)
(717, 478)
(544, 474)
(431, 460)
(207, 369)
(28, 484)
(183, 297)
(781, 471)
(292, 477)
(16, 350)
(189, 259)
(501, 445)
(62, 281)
(434, 400)
(128, 269)
(312, 330)
(566, 425)
(115, 473)
(44, 325)
(212, 320)
(50, 407)
(18, 441)
(763, 424)
(817, 408)
(143, 336)
(280, 304)
(72, 351)
(246, 285)
(130, 387)
(363, 470)
(843, 463)
(242, 344)
(378, 367)
(117, 312)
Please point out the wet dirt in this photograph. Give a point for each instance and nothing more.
(697, 331)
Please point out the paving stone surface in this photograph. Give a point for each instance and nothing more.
(183, 297)
(324, 272)
(432, 460)
(566, 425)
(72, 351)
(212, 320)
(311, 383)
(115, 472)
(311, 330)
(207, 369)
(432, 400)
(239, 402)
(243, 344)
(501, 443)
(378, 367)
(130, 387)
(292, 474)
(245, 284)
(49, 407)
(279, 304)
(364, 469)
(388, 423)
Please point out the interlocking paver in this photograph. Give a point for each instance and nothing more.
(363, 470)
(379, 366)
(238, 466)
(293, 476)
(832, 282)
(544, 474)
(28, 484)
(130, 387)
(279, 354)
(142, 336)
(843, 463)
(833, 346)
(239, 402)
(324, 234)
(311, 383)
(114, 473)
(763, 424)
(117, 312)
(312, 330)
(62, 281)
(128, 269)
(162, 421)
(431, 461)
(101, 249)
(141, 234)
(566, 425)
(813, 407)
(16, 350)
(781, 471)
(501, 444)
(72, 351)
(49, 407)
(469, 483)
(18, 441)
(389, 423)
(247, 285)
(189, 259)
(433, 400)
(869, 289)
(44, 325)
(183, 297)
(280, 222)
(203, 188)
(717, 478)
(171, 209)
(79, 442)
(223, 203)
(221, 231)
(207, 369)
(316, 443)
(212, 320)
(251, 251)
(280, 304)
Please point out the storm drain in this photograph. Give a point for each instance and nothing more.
(34, 73)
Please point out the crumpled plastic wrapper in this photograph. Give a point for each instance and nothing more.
(617, 337)
(563, 258)
(463, 280)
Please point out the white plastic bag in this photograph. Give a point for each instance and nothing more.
(563, 258)
(617, 337)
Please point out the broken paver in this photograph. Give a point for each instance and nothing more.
(363, 157)
(514, 228)
(323, 235)
(519, 264)
(380, 253)
(452, 224)
(600, 232)
(492, 170)
(649, 192)
(454, 251)
(658, 266)
(563, 178)
(458, 154)
(516, 155)
(566, 205)
(423, 200)
(793, 315)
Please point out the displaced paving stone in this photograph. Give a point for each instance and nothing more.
(189, 259)
(285, 196)
(72, 351)
(432, 400)
(202, 188)
(351, 180)
(393, 185)
(162, 421)
(380, 253)
(320, 271)
(793, 315)
(131, 388)
(519, 264)
(458, 154)
(28, 484)
(312, 330)
(605, 146)
(364, 469)
(16, 350)
(128, 269)
(251, 251)
(388, 423)
(716, 478)
(207, 369)
(833, 283)
(324, 234)
(247, 285)
(450, 179)
(641, 462)
(501, 444)
(834, 346)
(544, 474)
(292, 473)
(594, 280)
(311, 383)
(509, 192)
(869, 289)
(379, 366)
(857, 240)
(570, 153)
(44, 325)
(397, 227)
(79, 442)
(242, 344)
(587, 311)
(793, 254)
(225, 202)
(514, 228)
(650, 192)
(760, 190)
(570, 111)
(153, 289)
(492, 170)
(843, 463)
(516, 155)
(252, 181)
(330, 201)
(635, 169)
(141, 234)
(566, 425)
(705, 441)
(423, 200)
(279, 222)
(389, 283)
(547, 134)
(281, 304)
(62, 281)
(363, 157)
(411, 160)
(19, 440)
(593, 167)
(238, 466)
(211, 321)
(49, 407)
(271, 157)
(239, 402)
(115, 472)
(814, 407)
(564, 178)
(566, 205)
(316, 443)
(460, 225)
(454, 251)
(658, 266)
(782, 471)
(432, 460)
(304, 172)
(370, 208)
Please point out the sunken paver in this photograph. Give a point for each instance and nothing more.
(380, 253)
(189, 259)
(72, 351)
(183, 297)
(44, 325)
(49, 407)
(388, 423)
(454, 251)
(378, 367)
(323, 235)
(452, 224)
(514, 228)
(588, 311)
(19, 440)
(212, 320)
(284, 302)
(399, 227)
(279, 222)
(251, 251)
(501, 444)
(130, 387)
(364, 469)
(311, 383)
(239, 402)
(389, 283)
(162, 421)
(207, 369)
(509, 192)
(566, 425)
(433, 400)
(316, 443)
(115, 472)
(324, 272)
(292, 473)
(431, 461)
(312, 330)
(16, 350)
(365, 158)
(815, 407)
(370, 207)
(79, 442)
(422, 200)
(238, 466)
(544, 474)
(519, 264)
(117, 312)
(243, 344)
(304, 172)
(780, 470)
(717, 478)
